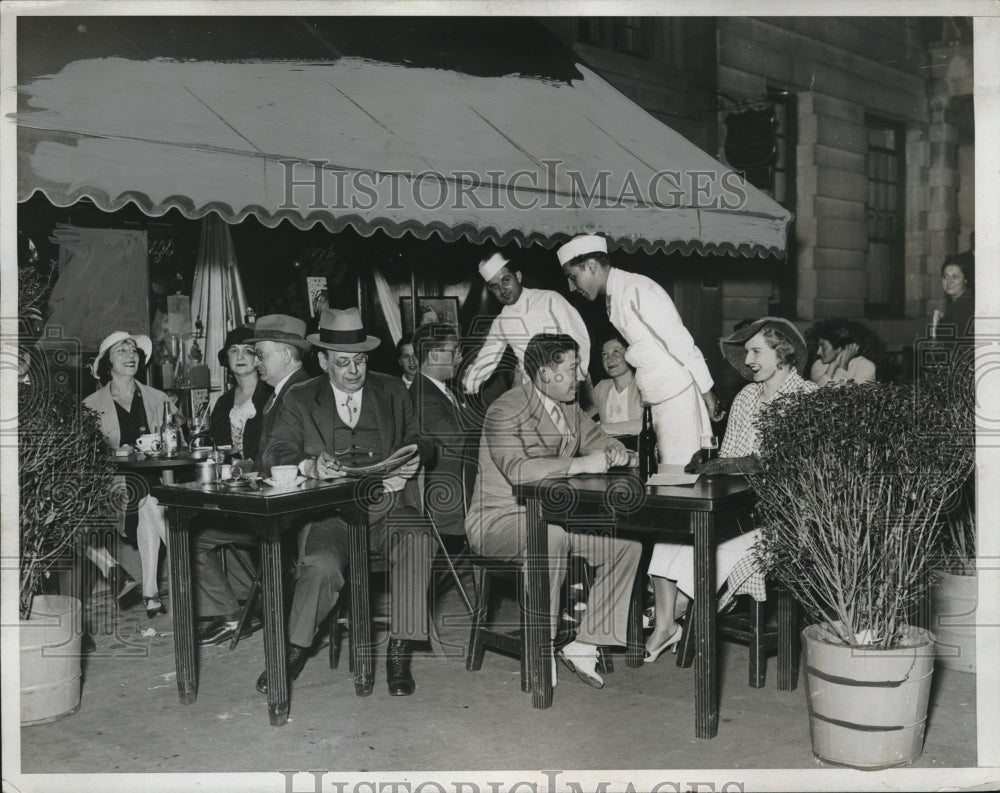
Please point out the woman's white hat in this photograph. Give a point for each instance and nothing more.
(142, 341)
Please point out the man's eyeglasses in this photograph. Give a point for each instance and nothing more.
(358, 360)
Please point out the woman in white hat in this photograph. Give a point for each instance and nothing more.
(129, 409)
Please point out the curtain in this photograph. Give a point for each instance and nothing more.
(102, 285)
(390, 306)
(217, 296)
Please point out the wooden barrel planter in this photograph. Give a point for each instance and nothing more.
(867, 708)
(50, 659)
(953, 619)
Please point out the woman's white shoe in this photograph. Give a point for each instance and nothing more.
(649, 656)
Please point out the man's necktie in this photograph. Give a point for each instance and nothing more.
(270, 402)
(607, 303)
(558, 419)
(351, 410)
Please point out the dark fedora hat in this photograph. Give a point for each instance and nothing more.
(240, 335)
(733, 350)
(281, 328)
(342, 330)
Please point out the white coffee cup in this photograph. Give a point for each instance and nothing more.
(284, 474)
(148, 443)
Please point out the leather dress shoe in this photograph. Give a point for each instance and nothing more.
(297, 657)
(397, 668)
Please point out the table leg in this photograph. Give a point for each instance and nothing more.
(706, 698)
(361, 622)
(635, 642)
(538, 633)
(275, 642)
(788, 642)
(179, 564)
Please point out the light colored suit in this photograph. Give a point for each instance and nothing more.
(151, 529)
(101, 400)
(521, 443)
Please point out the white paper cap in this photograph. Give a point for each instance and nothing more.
(584, 243)
(491, 266)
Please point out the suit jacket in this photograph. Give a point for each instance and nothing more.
(298, 376)
(450, 472)
(304, 423)
(221, 429)
(101, 400)
(521, 443)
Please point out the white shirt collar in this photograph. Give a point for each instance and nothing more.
(341, 396)
(283, 380)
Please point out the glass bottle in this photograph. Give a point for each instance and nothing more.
(709, 447)
(647, 445)
(168, 435)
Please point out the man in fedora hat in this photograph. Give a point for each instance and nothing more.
(525, 313)
(354, 417)
(280, 343)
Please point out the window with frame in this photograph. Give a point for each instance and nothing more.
(884, 263)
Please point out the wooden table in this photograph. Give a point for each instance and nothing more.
(162, 465)
(703, 512)
(269, 513)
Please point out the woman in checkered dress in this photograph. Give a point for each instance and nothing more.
(770, 353)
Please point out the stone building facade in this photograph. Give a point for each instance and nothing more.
(874, 149)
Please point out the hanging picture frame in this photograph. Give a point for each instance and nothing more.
(436, 308)
(318, 297)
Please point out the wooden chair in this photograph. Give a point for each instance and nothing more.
(233, 549)
(484, 634)
(761, 637)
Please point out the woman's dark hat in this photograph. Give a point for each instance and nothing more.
(343, 331)
(240, 335)
(735, 353)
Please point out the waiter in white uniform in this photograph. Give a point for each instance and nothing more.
(525, 313)
(670, 370)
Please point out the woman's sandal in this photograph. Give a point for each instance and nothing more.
(153, 606)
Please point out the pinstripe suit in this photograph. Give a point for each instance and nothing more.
(521, 443)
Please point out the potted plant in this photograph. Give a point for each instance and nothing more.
(854, 480)
(64, 478)
(954, 582)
